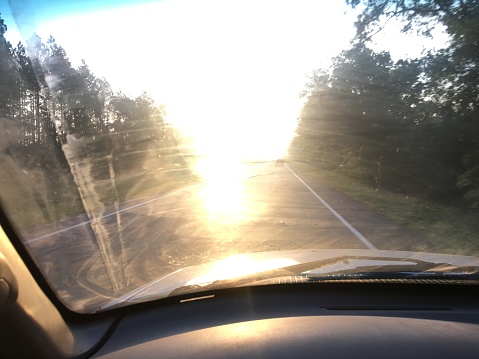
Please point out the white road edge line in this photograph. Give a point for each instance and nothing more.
(336, 214)
(111, 214)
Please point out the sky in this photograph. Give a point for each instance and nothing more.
(229, 72)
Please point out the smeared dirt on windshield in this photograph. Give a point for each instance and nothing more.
(114, 261)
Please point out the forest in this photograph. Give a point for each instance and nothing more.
(49, 98)
(45, 104)
(409, 126)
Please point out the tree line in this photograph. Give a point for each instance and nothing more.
(48, 98)
(409, 126)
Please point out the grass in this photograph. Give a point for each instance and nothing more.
(452, 230)
(37, 197)
(140, 177)
(42, 195)
(141, 185)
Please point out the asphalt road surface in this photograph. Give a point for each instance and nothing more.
(261, 208)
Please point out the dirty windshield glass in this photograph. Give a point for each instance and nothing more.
(156, 148)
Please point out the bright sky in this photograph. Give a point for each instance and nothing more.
(229, 72)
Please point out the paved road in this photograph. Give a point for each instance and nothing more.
(265, 208)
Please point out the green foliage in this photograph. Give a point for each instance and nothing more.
(469, 180)
(44, 101)
(50, 98)
(416, 15)
(8, 78)
(357, 118)
(410, 126)
(443, 229)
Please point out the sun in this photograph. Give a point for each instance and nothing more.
(227, 81)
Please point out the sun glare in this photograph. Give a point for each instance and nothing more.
(223, 202)
(240, 264)
(229, 72)
(223, 192)
(230, 81)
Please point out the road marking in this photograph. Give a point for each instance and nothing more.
(336, 214)
(111, 214)
(121, 210)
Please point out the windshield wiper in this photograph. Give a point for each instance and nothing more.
(397, 275)
(343, 268)
(339, 268)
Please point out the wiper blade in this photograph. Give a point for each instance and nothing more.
(309, 279)
(396, 275)
(342, 268)
(370, 267)
(358, 265)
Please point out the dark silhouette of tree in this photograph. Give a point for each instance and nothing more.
(8, 75)
(357, 116)
(450, 79)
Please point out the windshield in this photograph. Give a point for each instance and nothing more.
(153, 148)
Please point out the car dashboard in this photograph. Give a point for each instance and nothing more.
(344, 319)
(358, 318)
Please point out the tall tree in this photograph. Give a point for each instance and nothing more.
(356, 115)
(8, 75)
(450, 76)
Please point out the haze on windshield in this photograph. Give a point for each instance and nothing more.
(146, 138)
